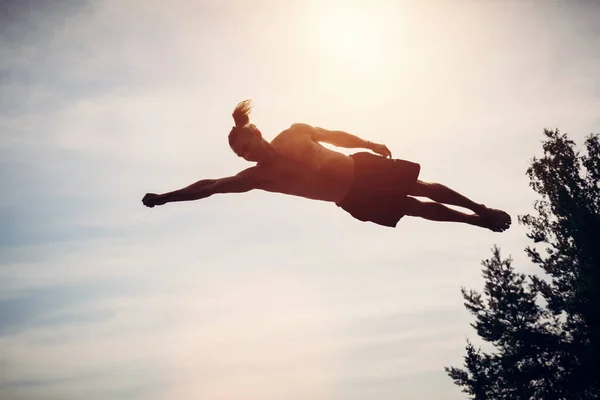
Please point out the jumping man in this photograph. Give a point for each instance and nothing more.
(370, 187)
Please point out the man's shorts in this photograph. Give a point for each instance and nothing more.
(379, 190)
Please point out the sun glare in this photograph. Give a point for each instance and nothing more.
(349, 34)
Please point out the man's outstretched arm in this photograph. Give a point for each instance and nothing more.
(243, 182)
(345, 139)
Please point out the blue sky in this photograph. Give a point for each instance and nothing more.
(261, 296)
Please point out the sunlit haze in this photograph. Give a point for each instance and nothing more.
(260, 295)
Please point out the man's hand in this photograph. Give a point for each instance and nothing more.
(152, 199)
(380, 149)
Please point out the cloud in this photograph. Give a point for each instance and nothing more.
(49, 305)
(256, 295)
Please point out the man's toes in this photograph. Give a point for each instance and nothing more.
(506, 221)
(498, 220)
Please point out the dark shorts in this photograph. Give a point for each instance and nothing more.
(378, 193)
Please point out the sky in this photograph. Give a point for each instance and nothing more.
(258, 295)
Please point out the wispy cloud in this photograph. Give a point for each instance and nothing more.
(258, 295)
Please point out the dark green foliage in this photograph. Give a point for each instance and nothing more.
(545, 328)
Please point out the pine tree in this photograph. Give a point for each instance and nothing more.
(545, 328)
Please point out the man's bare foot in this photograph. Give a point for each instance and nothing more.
(496, 220)
(153, 199)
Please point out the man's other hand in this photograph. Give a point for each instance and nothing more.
(381, 149)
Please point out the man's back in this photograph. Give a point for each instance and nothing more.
(307, 168)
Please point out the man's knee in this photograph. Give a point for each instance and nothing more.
(413, 207)
(422, 189)
(428, 189)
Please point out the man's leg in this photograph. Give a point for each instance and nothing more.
(438, 212)
(443, 194)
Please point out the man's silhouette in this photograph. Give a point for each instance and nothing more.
(370, 187)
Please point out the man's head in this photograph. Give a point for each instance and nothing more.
(244, 138)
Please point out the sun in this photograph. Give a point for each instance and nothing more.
(349, 34)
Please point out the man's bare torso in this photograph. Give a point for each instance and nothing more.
(307, 168)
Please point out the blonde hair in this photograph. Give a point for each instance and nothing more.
(241, 117)
(241, 114)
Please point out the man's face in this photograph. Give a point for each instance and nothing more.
(249, 145)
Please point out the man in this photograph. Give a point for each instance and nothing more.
(373, 188)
